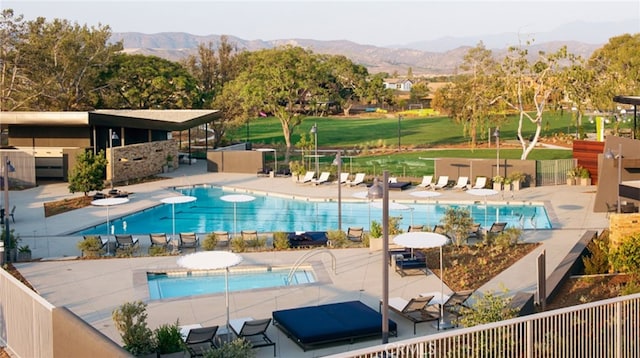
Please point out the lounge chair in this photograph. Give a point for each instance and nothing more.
(475, 232)
(497, 228)
(427, 180)
(357, 180)
(188, 239)
(253, 331)
(443, 181)
(201, 340)
(344, 177)
(160, 240)
(249, 235)
(481, 182)
(414, 309)
(456, 302)
(355, 233)
(308, 176)
(462, 183)
(323, 178)
(125, 242)
(415, 228)
(11, 214)
(222, 237)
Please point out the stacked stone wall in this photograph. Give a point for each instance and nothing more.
(141, 160)
(622, 226)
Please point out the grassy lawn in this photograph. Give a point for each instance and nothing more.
(371, 144)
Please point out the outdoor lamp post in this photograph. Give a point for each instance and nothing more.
(609, 154)
(7, 232)
(112, 136)
(314, 131)
(496, 134)
(338, 161)
(377, 191)
(574, 110)
(399, 119)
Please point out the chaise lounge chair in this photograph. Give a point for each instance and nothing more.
(355, 233)
(249, 235)
(462, 183)
(253, 331)
(308, 176)
(344, 177)
(324, 177)
(427, 180)
(359, 179)
(456, 302)
(481, 182)
(188, 239)
(415, 228)
(199, 341)
(222, 237)
(443, 181)
(415, 310)
(160, 240)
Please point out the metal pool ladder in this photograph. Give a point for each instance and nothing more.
(304, 257)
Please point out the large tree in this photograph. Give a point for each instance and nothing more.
(347, 83)
(12, 81)
(283, 82)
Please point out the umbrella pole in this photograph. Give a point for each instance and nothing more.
(441, 290)
(226, 298)
(235, 228)
(173, 221)
(108, 238)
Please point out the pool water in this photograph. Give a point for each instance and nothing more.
(185, 284)
(270, 214)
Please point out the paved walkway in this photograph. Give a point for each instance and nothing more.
(94, 288)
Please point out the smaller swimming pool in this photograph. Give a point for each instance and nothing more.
(174, 284)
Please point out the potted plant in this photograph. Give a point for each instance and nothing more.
(91, 246)
(297, 169)
(585, 176)
(571, 176)
(506, 185)
(516, 179)
(169, 341)
(24, 253)
(130, 320)
(168, 166)
(497, 182)
(14, 240)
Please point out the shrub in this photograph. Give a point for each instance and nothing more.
(507, 238)
(260, 241)
(597, 261)
(210, 242)
(90, 244)
(238, 244)
(158, 251)
(169, 339)
(626, 257)
(238, 348)
(130, 320)
(280, 240)
(338, 238)
(458, 222)
(365, 239)
(486, 309)
(376, 229)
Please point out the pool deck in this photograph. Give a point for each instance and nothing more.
(94, 288)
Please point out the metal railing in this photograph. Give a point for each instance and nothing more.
(608, 328)
(553, 172)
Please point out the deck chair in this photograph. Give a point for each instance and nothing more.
(415, 228)
(481, 182)
(199, 341)
(124, 242)
(359, 179)
(188, 239)
(497, 228)
(443, 181)
(323, 178)
(160, 240)
(457, 301)
(222, 237)
(427, 180)
(308, 176)
(355, 233)
(475, 232)
(413, 310)
(462, 183)
(344, 177)
(249, 235)
(439, 229)
(253, 331)
(13, 211)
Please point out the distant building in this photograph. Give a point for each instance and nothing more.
(398, 84)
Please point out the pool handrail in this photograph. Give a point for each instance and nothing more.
(306, 256)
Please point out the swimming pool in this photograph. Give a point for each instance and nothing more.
(192, 283)
(271, 213)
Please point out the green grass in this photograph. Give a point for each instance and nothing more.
(420, 139)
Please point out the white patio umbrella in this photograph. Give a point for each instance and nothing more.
(485, 193)
(213, 260)
(426, 194)
(235, 199)
(426, 240)
(173, 200)
(394, 206)
(109, 202)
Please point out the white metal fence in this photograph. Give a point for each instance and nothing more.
(608, 328)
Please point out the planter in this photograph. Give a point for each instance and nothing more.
(515, 185)
(13, 255)
(507, 187)
(24, 256)
(497, 186)
(585, 181)
(571, 181)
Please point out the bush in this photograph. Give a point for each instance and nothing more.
(280, 240)
(238, 348)
(130, 320)
(158, 251)
(338, 238)
(376, 229)
(169, 339)
(210, 242)
(394, 227)
(487, 309)
(90, 244)
(238, 244)
(507, 238)
(597, 261)
(626, 257)
(458, 222)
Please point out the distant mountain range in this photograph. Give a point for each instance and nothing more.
(437, 57)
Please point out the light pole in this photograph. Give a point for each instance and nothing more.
(574, 110)
(7, 232)
(399, 119)
(610, 155)
(314, 131)
(338, 161)
(377, 191)
(496, 134)
(112, 136)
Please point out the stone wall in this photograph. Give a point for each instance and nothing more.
(140, 160)
(622, 226)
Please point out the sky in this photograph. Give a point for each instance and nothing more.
(379, 23)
